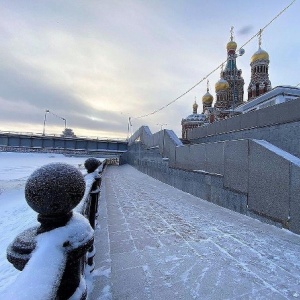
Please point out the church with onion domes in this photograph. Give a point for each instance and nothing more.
(229, 88)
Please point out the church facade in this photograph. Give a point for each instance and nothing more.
(229, 88)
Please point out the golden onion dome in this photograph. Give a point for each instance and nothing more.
(207, 98)
(260, 54)
(222, 84)
(231, 46)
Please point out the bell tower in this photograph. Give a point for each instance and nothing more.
(259, 83)
(233, 75)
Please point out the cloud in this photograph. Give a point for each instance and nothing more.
(98, 62)
(245, 30)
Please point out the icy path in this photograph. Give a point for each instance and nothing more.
(156, 242)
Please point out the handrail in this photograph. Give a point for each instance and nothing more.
(165, 139)
(55, 256)
(39, 134)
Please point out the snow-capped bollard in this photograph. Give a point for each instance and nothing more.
(53, 191)
(91, 165)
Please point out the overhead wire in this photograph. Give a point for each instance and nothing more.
(215, 69)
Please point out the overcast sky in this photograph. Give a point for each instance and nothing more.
(95, 63)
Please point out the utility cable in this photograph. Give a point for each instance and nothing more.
(205, 77)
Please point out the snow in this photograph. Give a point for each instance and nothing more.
(54, 188)
(293, 159)
(158, 242)
(15, 214)
(45, 268)
(174, 137)
(80, 290)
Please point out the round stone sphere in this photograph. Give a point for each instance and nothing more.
(54, 189)
(91, 164)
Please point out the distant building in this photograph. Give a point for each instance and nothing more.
(230, 90)
(192, 121)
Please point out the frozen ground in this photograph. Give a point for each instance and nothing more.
(15, 214)
(156, 242)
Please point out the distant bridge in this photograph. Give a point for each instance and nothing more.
(38, 142)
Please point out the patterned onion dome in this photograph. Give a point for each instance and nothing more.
(231, 46)
(196, 117)
(207, 98)
(222, 84)
(260, 54)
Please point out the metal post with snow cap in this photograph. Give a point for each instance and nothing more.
(90, 212)
(50, 255)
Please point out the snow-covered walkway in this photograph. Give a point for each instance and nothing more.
(156, 242)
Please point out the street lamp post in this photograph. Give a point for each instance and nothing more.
(45, 119)
(129, 125)
(46, 111)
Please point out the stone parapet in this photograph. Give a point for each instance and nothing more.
(249, 176)
(278, 124)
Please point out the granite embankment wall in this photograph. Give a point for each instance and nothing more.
(249, 176)
(278, 124)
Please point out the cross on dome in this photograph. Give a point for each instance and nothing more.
(231, 33)
(259, 37)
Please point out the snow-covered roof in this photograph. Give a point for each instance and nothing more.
(278, 90)
(195, 117)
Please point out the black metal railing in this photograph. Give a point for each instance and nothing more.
(55, 256)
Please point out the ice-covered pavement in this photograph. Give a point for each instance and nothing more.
(156, 242)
